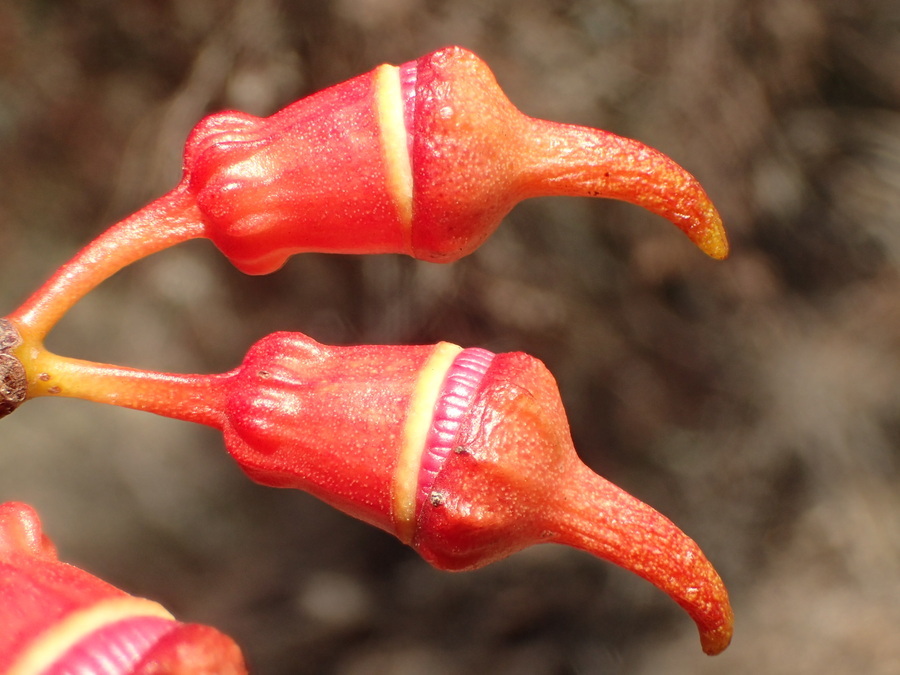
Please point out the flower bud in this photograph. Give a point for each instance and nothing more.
(461, 453)
(423, 159)
(57, 619)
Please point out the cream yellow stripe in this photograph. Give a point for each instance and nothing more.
(57, 640)
(398, 166)
(415, 433)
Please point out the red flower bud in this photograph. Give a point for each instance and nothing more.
(461, 453)
(464, 455)
(58, 619)
(423, 159)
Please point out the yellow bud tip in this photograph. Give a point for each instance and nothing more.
(715, 641)
(711, 238)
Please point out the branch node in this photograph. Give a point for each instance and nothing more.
(13, 379)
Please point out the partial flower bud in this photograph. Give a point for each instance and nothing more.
(57, 619)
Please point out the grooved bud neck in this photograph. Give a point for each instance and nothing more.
(415, 436)
(115, 648)
(457, 395)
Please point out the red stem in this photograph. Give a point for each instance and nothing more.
(167, 221)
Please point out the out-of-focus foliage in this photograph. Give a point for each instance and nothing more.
(754, 401)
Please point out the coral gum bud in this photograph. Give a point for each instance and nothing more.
(475, 445)
(423, 159)
(518, 482)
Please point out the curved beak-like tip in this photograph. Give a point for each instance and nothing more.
(716, 640)
(710, 234)
(602, 519)
(577, 161)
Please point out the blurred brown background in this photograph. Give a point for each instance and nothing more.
(756, 401)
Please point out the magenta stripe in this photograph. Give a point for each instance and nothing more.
(457, 394)
(113, 649)
(408, 76)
